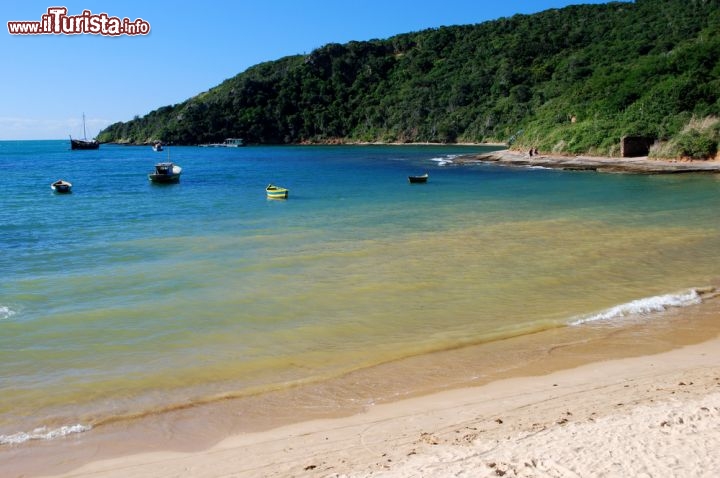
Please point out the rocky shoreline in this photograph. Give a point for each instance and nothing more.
(639, 165)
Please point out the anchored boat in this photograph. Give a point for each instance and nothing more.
(418, 179)
(276, 192)
(83, 143)
(165, 173)
(61, 186)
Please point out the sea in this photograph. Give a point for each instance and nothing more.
(127, 301)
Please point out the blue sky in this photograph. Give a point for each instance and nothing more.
(50, 80)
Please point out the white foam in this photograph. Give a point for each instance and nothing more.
(42, 434)
(6, 312)
(644, 306)
(447, 159)
(538, 167)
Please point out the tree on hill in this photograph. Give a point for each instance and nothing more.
(574, 80)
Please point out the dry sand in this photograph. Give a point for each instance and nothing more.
(655, 415)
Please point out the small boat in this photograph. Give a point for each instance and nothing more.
(228, 143)
(61, 186)
(418, 179)
(165, 173)
(276, 192)
(83, 143)
(157, 146)
(233, 143)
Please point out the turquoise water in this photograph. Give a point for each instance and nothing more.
(126, 297)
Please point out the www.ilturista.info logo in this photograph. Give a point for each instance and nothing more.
(57, 22)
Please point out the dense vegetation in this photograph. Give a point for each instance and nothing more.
(575, 79)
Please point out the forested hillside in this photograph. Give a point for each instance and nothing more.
(574, 80)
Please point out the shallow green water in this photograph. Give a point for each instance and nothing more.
(124, 297)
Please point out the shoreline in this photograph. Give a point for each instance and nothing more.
(587, 373)
(638, 165)
(331, 143)
(618, 416)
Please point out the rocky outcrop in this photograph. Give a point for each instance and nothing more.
(639, 165)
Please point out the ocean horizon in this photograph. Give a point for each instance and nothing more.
(127, 299)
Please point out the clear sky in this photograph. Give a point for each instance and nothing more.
(49, 81)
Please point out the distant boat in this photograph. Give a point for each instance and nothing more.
(233, 143)
(276, 192)
(83, 143)
(228, 143)
(157, 146)
(166, 172)
(61, 186)
(418, 179)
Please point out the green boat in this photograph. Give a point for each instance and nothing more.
(276, 192)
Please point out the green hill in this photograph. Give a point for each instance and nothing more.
(573, 80)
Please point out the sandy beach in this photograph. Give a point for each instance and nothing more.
(640, 165)
(656, 415)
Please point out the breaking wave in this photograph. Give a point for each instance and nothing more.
(42, 434)
(646, 306)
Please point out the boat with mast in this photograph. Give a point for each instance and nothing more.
(83, 143)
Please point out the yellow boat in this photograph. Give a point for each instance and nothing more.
(276, 192)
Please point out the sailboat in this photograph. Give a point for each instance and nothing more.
(83, 143)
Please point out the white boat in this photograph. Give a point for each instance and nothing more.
(276, 192)
(166, 172)
(61, 186)
(157, 146)
(228, 143)
(233, 143)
